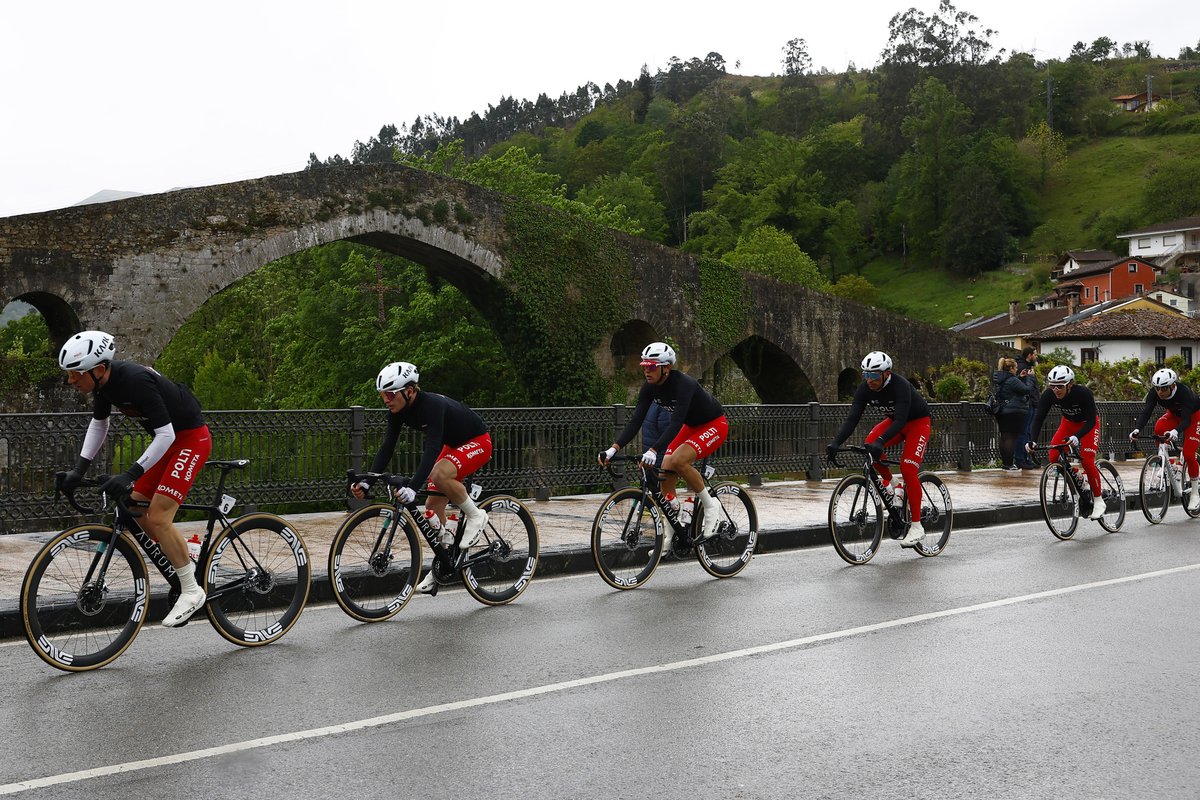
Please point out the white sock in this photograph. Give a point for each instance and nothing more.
(711, 504)
(469, 508)
(187, 577)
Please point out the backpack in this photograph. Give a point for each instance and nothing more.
(992, 405)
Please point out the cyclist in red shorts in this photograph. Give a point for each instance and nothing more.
(165, 472)
(457, 444)
(698, 426)
(906, 419)
(1080, 424)
(1180, 420)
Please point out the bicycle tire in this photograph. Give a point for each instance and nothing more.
(1186, 485)
(1112, 494)
(937, 515)
(1060, 501)
(510, 539)
(728, 551)
(257, 576)
(856, 518)
(76, 626)
(370, 584)
(1154, 486)
(628, 538)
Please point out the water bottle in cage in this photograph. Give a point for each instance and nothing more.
(898, 495)
(685, 510)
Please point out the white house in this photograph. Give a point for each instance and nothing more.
(1149, 336)
(1168, 244)
(1171, 298)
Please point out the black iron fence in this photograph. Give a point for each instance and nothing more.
(299, 458)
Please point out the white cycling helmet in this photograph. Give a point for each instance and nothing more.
(876, 361)
(85, 350)
(657, 354)
(1163, 378)
(1060, 375)
(396, 376)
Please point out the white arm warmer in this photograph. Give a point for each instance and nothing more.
(93, 440)
(163, 438)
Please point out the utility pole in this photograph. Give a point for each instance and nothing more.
(1049, 97)
(1149, 92)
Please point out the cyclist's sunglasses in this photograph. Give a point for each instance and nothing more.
(389, 396)
(872, 376)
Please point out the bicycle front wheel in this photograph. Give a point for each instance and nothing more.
(80, 613)
(628, 538)
(1155, 488)
(257, 577)
(502, 563)
(855, 520)
(728, 551)
(1060, 501)
(1112, 494)
(374, 562)
(937, 515)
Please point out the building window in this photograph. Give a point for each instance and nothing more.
(1143, 244)
(1087, 354)
(1186, 354)
(1174, 302)
(1087, 292)
(1169, 239)
(1138, 288)
(1160, 355)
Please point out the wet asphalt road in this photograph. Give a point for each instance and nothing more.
(1013, 665)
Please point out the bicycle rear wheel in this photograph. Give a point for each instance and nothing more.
(855, 520)
(374, 562)
(728, 551)
(75, 619)
(507, 553)
(1060, 501)
(1154, 485)
(628, 538)
(257, 577)
(937, 515)
(1112, 494)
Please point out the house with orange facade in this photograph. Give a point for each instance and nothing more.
(1124, 277)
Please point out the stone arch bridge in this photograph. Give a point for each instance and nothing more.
(140, 267)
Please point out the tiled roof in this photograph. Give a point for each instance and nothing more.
(1185, 224)
(1086, 256)
(1028, 322)
(1142, 324)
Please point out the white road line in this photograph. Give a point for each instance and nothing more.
(389, 719)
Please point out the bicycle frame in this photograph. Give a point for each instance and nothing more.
(652, 477)
(897, 523)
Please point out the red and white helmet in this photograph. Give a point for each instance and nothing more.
(85, 350)
(657, 354)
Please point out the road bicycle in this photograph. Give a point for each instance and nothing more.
(637, 527)
(1065, 494)
(862, 506)
(375, 559)
(86, 594)
(1163, 477)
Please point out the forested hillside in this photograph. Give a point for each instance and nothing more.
(940, 182)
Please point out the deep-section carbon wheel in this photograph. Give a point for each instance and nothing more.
(1060, 501)
(374, 561)
(856, 519)
(503, 561)
(1112, 494)
(257, 578)
(81, 612)
(729, 550)
(627, 538)
(937, 515)
(1154, 485)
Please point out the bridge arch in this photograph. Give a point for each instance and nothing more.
(140, 267)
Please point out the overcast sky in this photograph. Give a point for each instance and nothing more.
(150, 96)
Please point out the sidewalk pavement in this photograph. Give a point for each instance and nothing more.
(790, 514)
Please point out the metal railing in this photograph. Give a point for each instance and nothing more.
(299, 458)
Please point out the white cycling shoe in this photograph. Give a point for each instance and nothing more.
(473, 530)
(1193, 502)
(427, 583)
(1097, 510)
(187, 604)
(916, 532)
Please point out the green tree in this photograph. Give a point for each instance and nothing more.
(1046, 149)
(769, 251)
(222, 384)
(1172, 191)
(856, 288)
(635, 196)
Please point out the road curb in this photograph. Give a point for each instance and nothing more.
(573, 560)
